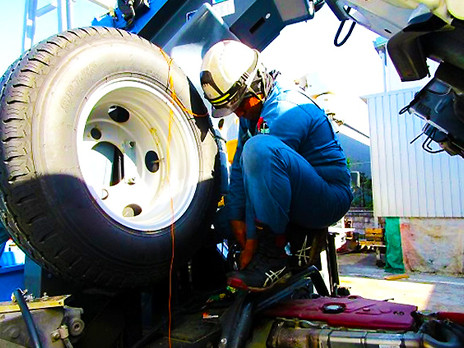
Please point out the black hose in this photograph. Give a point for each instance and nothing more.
(340, 28)
(243, 324)
(318, 281)
(340, 43)
(27, 318)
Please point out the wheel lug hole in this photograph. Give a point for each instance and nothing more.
(131, 210)
(152, 161)
(95, 133)
(104, 194)
(118, 114)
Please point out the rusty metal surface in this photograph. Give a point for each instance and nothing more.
(13, 328)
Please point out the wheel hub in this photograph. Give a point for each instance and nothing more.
(137, 153)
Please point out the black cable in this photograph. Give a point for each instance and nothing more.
(318, 4)
(427, 148)
(417, 137)
(426, 144)
(340, 28)
(31, 328)
(403, 110)
(338, 44)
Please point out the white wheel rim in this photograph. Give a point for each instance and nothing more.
(143, 196)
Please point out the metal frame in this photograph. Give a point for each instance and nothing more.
(64, 11)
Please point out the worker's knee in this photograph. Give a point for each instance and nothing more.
(258, 149)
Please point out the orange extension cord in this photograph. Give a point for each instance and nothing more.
(171, 88)
(190, 112)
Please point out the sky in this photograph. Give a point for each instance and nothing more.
(307, 48)
(304, 48)
(11, 25)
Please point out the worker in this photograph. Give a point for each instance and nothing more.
(288, 167)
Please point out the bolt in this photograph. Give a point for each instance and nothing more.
(55, 335)
(222, 343)
(63, 330)
(76, 326)
(13, 332)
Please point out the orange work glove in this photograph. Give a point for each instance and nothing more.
(239, 230)
(247, 253)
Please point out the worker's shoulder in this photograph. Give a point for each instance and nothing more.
(284, 92)
(296, 101)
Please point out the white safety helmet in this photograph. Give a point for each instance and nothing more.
(227, 72)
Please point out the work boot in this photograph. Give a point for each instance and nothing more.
(305, 246)
(268, 265)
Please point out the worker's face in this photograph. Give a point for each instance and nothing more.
(249, 108)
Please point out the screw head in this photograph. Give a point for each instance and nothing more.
(55, 335)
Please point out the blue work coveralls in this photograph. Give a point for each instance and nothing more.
(288, 167)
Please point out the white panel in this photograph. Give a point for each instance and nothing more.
(407, 181)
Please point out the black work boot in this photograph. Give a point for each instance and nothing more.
(268, 265)
(305, 246)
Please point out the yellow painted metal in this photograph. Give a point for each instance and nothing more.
(40, 303)
(231, 146)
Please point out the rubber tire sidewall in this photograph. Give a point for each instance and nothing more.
(119, 252)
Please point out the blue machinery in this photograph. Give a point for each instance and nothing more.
(255, 22)
(187, 29)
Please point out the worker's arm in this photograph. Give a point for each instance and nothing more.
(236, 197)
(248, 251)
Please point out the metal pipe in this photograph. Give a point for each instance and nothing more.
(60, 9)
(332, 263)
(31, 328)
(29, 24)
(45, 9)
(26, 11)
(69, 14)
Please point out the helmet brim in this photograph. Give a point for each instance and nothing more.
(231, 105)
(226, 110)
(219, 113)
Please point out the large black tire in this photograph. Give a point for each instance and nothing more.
(91, 94)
